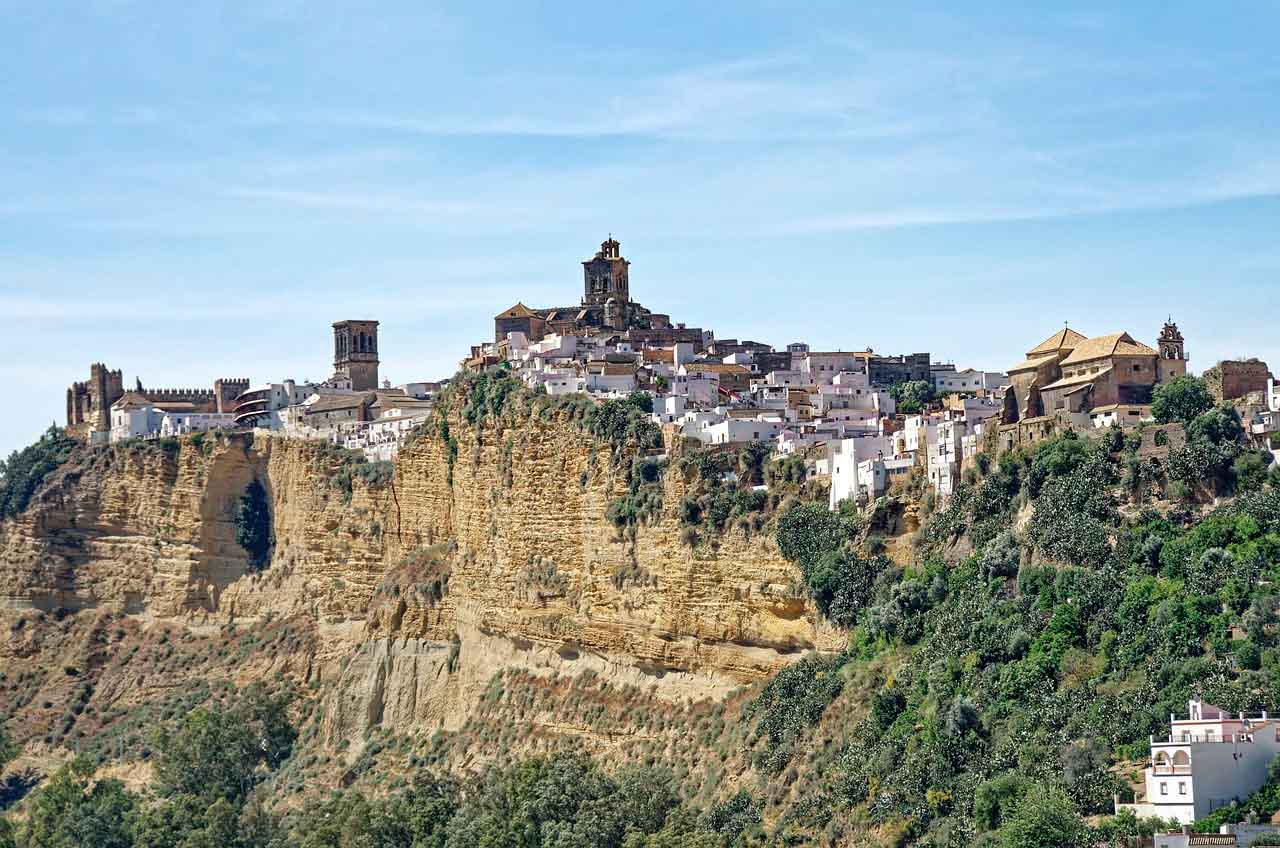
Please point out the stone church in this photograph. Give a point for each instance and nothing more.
(606, 307)
(1069, 372)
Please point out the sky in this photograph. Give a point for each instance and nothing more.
(199, 189)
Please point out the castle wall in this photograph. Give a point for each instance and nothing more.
(1231, 379)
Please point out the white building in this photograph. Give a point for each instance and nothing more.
(846, 456)
(1208, 760)
(945, 456)
(133, 421)
(1234, 835)
(380, 438)
(968, 380)
(743, 430)
(1120, 415)
(699, 390)
(181, 423)
(819, 368)
(263, 406)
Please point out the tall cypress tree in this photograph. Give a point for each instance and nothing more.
(253, 525)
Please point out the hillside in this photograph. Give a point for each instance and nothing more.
(536, 578)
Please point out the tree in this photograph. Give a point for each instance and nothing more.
(911, 395)
(751, 461)
(807, 531)
(67, 813)
(1045, 817)
(8, 750)
(253, 525)
(642, 401)
(1180, 399)
(215, 753)
(25, 470)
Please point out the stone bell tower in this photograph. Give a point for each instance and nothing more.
(604, 275)
(355, 353)
(1173, 356)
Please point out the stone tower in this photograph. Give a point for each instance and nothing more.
(1173, 356)
(355, 353)
(604, 276)
(89, 403)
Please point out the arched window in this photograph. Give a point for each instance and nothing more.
(1181, 759)
(1161, 760)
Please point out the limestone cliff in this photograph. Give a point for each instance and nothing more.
(486, 554)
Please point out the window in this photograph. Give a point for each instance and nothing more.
(1209, 734)
(1182, 788)
(1164, 788)
(1137, 366)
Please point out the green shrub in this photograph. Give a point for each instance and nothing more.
(253, 525)
(1180, 399)
(24, 471)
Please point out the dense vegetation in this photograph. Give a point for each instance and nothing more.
(911, 396)
(743, 487)
(23, 472)
(495, 401)
(214, 769)
(1044, 650)
(253, 525)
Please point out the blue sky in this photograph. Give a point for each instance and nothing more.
(197, 189)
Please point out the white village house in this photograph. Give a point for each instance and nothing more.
(1208, 760)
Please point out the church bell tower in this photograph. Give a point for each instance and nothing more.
(1173, 356)
(355, 353)
(604, 276)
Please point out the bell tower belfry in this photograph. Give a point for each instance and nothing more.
(1173, 355)
(355, 353)
(604, 276)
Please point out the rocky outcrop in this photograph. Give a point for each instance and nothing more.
(494, 554)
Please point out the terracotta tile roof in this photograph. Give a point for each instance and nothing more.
(1034, 362)
(1121, 344)
(131, 400)
(518, 311)
(658, 354)
(716, 368)
(1077, 380)
(330, 403)
(1064, 339)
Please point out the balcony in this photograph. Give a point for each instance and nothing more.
(1171, 770)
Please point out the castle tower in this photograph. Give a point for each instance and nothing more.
(604, 275)
(355, 353)
(1173, 356)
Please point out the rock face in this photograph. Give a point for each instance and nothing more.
(420, 589)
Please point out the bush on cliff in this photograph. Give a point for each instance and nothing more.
(253, 525)
(25, 470)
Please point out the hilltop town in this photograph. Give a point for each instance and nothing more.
(847, 596)
(861, 420)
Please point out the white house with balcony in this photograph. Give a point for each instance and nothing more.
(1208, 760)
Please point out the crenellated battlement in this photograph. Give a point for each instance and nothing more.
(178, 394)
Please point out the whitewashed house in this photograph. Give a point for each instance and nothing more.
(968, 380)
(182, 423)
(846, 456)
(1208, 760)
(743, 430)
